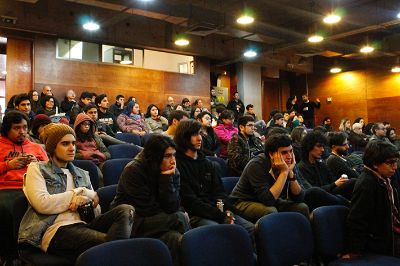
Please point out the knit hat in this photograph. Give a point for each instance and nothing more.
(82, 118)
(52, 134)
(39, 120)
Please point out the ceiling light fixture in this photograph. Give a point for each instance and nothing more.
(182, 42)
(398, 15)
(332, 19)
(250, 53)
(315, 38)
(396, 67)
(335, 70)
(245, 19)
(367, 49)
(91, 26)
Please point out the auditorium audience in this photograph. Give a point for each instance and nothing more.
(297, 135)
(210, 144)
(316, 172)
(345, 125)
(173, 121)
(307, 108)
(155, 122)
(16, 153)
(169, 107)
(35, 102)
(391, 135)
(68, 103)
(104, 114)
(243, 146)
(203, 195)
(269, 183)
(22, 103)
(379, 132)
(56, 191)
(38, 123)
(118, 107)
(151, 183)
(373, 224)
(48, 106)
(84, 99)
(89, 146)
(186, 105)
(130, 120)
(337, 162)
(225, 131)
(104, 131)
(195, 111)
(236, 106)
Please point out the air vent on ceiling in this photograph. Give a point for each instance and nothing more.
(202, 29)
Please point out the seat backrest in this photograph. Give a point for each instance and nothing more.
(283, 238)
(139, 251)
(106, 196)
(129, 137)
(112, 170)
(328, 224)
(229, 183)
(119, 151)
(220, 245)
(91, 168)
(222, 165)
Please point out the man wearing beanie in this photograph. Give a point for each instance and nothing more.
(38, 123)
(57, 191)
(16, 153)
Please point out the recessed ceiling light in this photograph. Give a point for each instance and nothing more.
(332, 19)
(335, 70)
(245, 19)
(91, 26)
(250, 53)
(182, 42)
(396, 69)
(398, 15)
(315, 38)
(367, 49)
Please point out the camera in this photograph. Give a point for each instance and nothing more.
(86, 212)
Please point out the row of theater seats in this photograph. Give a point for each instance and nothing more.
(281, 239)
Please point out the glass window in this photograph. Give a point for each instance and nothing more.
(71, 49)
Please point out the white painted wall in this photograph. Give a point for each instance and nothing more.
(249, 86)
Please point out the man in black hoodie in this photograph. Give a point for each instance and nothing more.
(202, 192)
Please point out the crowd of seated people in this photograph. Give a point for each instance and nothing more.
(172, 185)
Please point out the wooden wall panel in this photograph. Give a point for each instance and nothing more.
(18, 66)
(270, 97)
(371, 94)
(148, 86)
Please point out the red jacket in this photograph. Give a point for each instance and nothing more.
(12, 179)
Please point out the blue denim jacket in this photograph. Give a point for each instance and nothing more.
(34, 224)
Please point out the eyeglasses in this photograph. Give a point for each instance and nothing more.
(392, 162)
(86, 123)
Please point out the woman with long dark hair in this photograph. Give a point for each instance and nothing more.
(131, 121)
(155, 122)
(210, 144)
(151, 183)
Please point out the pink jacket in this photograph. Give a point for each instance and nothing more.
(224, 134)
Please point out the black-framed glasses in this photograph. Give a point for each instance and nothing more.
(392, 162)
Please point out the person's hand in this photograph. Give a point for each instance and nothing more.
(31, 158)
(95, 200)
(341, 181)
(350, 256)
(170, 171)
(317, 100)
(292, 165)
(17, 163)
(229, 218)
(278, 162)
(78, 200)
